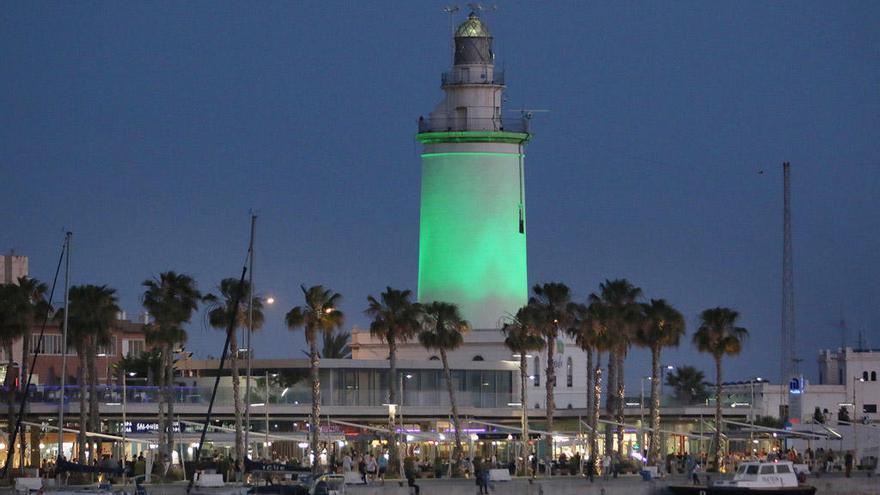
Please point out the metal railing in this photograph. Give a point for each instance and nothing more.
(483, 77)
(508, 124)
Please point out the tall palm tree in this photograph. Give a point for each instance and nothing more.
(14, 320)
(621, 313)
(590, 334)
(319, 314)
(719, 336)
(522, 337)
(553, 303)
(171, 299)
(220, 317)
(38, 310)
(93, 311)
(395, 320)
(35, 292)
(662, 326)
(688, 384)
(443, 330)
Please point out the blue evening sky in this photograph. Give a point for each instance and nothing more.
(151, 129)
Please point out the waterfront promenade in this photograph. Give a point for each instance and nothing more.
(836, 484)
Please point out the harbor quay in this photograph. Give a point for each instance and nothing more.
(835, 484)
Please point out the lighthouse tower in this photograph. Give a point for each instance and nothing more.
(472, 238)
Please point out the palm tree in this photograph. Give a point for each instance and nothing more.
(590, 334)
(395, 320)
(14, 320)
(220, 317)
(688, 384)
(443, 330)
(719, 336)
(39, 308)
(522, 337)
(318, 315)
(171, 299)
(335, 345)
(553, 303)
(662, 326)
(621, 312)
(38, 312)
(93, 311)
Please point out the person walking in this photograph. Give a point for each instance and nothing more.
(848, 462)
(606, 466)
(383, 466)
(695, 474)
(591, 468)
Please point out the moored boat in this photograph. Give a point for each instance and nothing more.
(753, 478)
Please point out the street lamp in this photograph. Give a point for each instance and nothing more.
(852, 420)
(642, 413)
(250, 329)
(663, 370)
(752, 410)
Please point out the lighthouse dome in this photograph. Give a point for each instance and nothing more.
(473, 43)
(473, 27)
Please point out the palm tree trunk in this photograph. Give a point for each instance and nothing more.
(10, 396)
(315, 426)
(610, 396)
(621, 398)
(83, 417)
(594, 420)
(236, 401)
(654, 443)
(524, 420)
(25, 361)
(392, 399)
(549, 387)
(163, 425)
(457, 450)
(716, 437)
(589, 383)
(94, 408)
(169, 400)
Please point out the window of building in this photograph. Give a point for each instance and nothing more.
(108, 349)
(840, 377)
(569, 373)
(537, 374)
(51, 345)
(478, 358)
(870, 408)
(133, 347)
(865, 375)
(873, 376)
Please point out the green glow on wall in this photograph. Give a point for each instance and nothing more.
(471, 251)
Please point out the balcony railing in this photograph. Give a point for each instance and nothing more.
(508, 124)
(458, 77)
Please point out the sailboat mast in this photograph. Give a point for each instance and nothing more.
(250, 330)
(67, 238)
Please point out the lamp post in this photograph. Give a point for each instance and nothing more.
(852, 420)
(752, 410)
(663, 370)
(642, 413)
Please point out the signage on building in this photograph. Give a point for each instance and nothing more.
(147, 427)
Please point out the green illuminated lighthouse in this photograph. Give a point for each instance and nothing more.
(472, 238)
